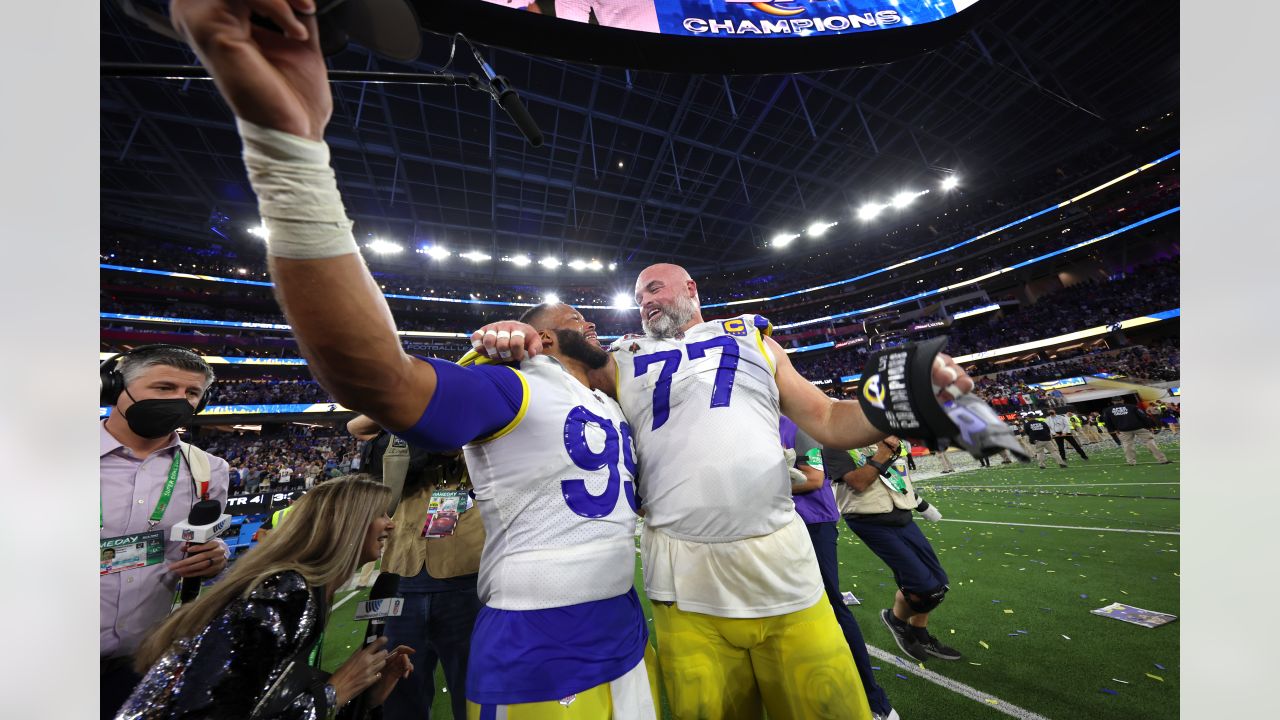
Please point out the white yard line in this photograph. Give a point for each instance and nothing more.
(986, 699)
(1065, 527)
(343, 600)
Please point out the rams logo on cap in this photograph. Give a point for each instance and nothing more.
(735, 326)
(873, 393)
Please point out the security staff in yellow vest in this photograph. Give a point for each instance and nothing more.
(438, 574)
(877, 500)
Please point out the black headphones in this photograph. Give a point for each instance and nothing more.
(113, 380)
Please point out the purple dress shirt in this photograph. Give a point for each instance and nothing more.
(134, 602)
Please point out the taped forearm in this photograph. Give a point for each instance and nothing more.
(297, 193)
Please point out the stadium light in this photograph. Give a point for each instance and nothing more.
(259, 232)
(518, 260)
(435, 252)
(551, 298)
(577, 264)
(816, 229)
(869, 211)
(622, 301)
(784, 239)
(903, 199)
(613, 266)
(594, 265)
(950, 183)
(475, 256)
(550, 263)
(384, 247)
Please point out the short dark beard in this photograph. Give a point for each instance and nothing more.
(573, 344)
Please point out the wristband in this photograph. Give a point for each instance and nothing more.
(883, 467)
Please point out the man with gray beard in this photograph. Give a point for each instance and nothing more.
(739, 604)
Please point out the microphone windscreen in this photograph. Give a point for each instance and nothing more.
(510, 102)
(205, 512)
(387, 585)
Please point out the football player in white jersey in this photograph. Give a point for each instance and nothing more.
(739, 608)
(562, 633)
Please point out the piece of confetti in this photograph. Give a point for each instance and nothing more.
(1126, 682)
(984, 644)
(1064, 637)
(1008, 611)
(977, 664)
(1158, 666)
(904, 677)
(1155, 677)
(1109, 691)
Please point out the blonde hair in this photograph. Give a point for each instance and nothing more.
(321, 540)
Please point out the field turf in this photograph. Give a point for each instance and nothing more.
(1020, 592)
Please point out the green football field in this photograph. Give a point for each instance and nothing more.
(1030, 552)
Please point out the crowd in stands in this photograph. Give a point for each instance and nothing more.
(267, 392)
(295, 460)
(1149, 289)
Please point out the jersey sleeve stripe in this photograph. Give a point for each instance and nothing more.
(524, 408)
(764, 350)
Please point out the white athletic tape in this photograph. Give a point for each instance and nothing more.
(504, 335)
(517, 332)
(955, 391)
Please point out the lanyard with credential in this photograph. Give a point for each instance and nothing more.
(166, 494)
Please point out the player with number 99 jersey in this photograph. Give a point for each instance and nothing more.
(554, 481)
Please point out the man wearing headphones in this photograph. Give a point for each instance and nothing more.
(149, 480)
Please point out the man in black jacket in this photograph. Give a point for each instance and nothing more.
(1038, 433)
(1129, 422)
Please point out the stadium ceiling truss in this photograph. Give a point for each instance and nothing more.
(640, 167)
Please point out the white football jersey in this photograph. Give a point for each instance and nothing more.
(556, 491)
(704, 410)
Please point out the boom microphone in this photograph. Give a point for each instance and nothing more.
(205, 522)
(509, 101)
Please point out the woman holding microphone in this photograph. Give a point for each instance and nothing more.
(249, 647)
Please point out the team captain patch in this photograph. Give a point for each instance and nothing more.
(735, 326)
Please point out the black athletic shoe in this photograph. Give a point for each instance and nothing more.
(935, 648)
(901, 633)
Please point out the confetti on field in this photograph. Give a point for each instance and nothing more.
(1008, 611)
(875, 667)
(1155, 677)
(1126, 682)
(953, 632)
(977, 664)
(904, 677)
(1158, 666)
(993, 701)
(984, 644)
(1064, 637)
(1109, 691)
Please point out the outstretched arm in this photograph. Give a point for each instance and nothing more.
(278, 87)
(840, 424)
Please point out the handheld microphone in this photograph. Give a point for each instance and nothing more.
(509, 101)
(205, 522)
(381, 605)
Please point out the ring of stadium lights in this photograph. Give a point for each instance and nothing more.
(517, 259)
(553, 298)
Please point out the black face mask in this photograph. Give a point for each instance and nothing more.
(155, 418)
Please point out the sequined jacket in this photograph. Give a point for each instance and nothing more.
(250, 662)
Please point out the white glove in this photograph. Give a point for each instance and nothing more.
(797, 477)
(790, 455)
(930, 513)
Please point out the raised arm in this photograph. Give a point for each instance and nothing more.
(278, 87)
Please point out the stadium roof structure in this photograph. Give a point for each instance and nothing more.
(640, 167)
